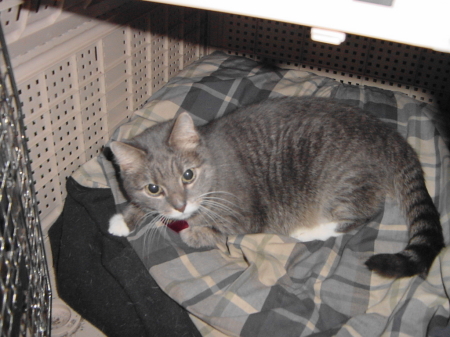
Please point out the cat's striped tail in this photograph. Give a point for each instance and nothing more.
(425, 232)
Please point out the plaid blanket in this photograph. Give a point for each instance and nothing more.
(270, 285)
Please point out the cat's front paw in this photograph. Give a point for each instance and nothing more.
(198, 237)
(117, 226)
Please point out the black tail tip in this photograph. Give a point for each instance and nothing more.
(397, 265)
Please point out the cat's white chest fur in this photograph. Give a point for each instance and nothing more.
(321, 232)
(117, 226)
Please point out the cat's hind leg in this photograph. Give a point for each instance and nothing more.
(326, 230)
(355, 201)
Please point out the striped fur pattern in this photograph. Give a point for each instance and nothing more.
(311, 168)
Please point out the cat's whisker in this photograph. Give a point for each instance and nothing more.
(222, 207)
(215, 216)
(226, 205)
(220, 192)
(223, 200)
(230, 207)
(143, 218)
(207, 214)
(150, 225)
(152, 231)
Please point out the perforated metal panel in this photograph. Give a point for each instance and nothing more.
(421, 73)
(24, 279)
(78, 85)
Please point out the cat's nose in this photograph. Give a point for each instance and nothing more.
(180, 208)
(177, 201)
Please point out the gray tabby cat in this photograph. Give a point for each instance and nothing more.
(306, 167)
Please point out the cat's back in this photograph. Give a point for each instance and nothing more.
(289, 119)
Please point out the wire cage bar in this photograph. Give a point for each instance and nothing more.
(25, 308)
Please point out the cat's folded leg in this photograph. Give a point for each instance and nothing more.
(196, 236)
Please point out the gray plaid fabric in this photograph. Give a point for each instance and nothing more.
(269, 285)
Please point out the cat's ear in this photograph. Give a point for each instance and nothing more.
(127, 156)
(184, 136)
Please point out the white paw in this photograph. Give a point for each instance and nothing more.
(320, 232)
(117, 226)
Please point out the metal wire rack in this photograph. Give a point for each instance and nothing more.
(25, 307)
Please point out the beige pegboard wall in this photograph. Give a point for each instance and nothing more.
(421, 73)
(83, 67)
(78, 84)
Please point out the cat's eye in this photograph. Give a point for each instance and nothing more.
(154, 189)
(188, 176)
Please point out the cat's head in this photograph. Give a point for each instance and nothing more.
(166, 168)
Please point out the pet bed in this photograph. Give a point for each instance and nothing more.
(263, 284)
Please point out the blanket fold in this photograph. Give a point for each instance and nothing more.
(101, 277)
(261, 284)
